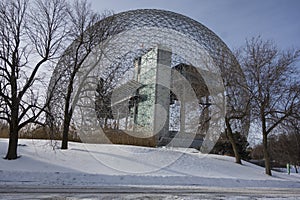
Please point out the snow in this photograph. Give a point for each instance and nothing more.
(43, 164)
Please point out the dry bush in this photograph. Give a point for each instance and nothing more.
(44, 132)
(3, 130)
(121, 137)
(112, 136)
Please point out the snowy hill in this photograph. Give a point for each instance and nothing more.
(41, 163)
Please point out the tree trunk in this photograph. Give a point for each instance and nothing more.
(13, 128)
(66, 127)
(12, 146)
(296, 169)
(266, 155)
(232, 141)
(67, 115)
(13, 140)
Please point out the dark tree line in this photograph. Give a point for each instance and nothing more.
(283, 148)
(224, 146)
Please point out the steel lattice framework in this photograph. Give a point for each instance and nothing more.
(195, 50)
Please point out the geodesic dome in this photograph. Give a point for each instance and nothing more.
(192, 71)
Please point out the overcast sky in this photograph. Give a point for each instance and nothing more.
(232, 20)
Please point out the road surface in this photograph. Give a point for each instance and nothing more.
(128, 192)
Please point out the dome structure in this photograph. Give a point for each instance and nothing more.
(153, 74)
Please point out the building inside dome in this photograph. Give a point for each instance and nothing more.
(168, 85)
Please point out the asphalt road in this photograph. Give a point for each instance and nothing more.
(128, 192)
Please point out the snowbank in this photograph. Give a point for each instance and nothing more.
(41, 163)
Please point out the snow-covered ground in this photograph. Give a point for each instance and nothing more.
(115, 165)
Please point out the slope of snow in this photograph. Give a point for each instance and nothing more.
(100, 164)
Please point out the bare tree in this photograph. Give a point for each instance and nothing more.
(82, 19)
(237, 102)
(273, 85)
(237, 111)
(86, 33)
(31, 33)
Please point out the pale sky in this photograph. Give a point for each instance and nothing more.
(232, 20)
